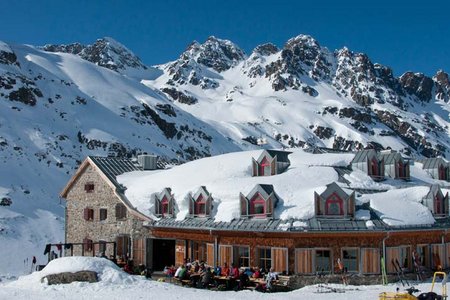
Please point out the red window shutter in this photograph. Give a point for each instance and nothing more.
(86, 214)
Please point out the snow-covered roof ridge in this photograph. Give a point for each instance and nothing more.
(226, 176)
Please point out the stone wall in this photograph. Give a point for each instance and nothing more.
(103, 196)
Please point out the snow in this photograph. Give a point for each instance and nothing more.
(115, 284)
(401, 206)
(225, 176)
(5, 47)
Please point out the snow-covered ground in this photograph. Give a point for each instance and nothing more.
(115, 284)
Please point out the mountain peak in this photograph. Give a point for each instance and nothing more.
(215, 53)
(105, 52)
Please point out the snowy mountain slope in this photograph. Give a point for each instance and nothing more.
(304, 94)
(59, 103)
(57, 108)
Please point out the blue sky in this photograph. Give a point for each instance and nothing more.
(405, 35)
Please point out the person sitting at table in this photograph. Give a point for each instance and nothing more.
(207, 278)
(243, 280)
(234, 271)
(256, 273)
(249, 272)
(217, 269)
(177, 272)
(225, 270)
(271, 277)
(183, 273)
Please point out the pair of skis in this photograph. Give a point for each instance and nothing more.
(399, 270)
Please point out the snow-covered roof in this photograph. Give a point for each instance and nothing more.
(228, 175)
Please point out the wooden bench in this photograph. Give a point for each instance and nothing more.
(181, 282)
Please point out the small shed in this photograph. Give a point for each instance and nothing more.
(436, 201)
(200, 203)
(260, 202)
(370, 163)
(334, 202)
(395, 165)
(271, 162)
(437, 167)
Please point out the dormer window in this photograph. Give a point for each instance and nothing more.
(201, 203)
(200, 206)
(439, 207)
(258, 206)
(442, 173)
(164, 206)
(260, 202)
(270, 162)
(334, 202)
(334, 205)
(437, 202)
(264, 167)
(164, 203)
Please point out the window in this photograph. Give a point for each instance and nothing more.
(264, 169)
(101, 247)
(87, 244)
(121, 211)
(350, 259)
(258, 206)
(199, 251)
(88, 214)
(323, 260)
(103, 214)
(439, 209)
(241, 256)
(89, 187)
(265, 258)
(200, 206)
(334, 205)
(404, 257)
(164, 206)
(123, 246)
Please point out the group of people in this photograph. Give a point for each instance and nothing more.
(224, 277)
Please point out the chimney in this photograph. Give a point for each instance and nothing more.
(147, 162)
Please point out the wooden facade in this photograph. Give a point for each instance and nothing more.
(308, 253)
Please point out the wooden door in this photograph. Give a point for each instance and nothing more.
(180, 249)
(370, 260)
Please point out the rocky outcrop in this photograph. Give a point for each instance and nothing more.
(417, 84)
(105, 52)
(442, 84)
(180, 96)
(68, 277)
